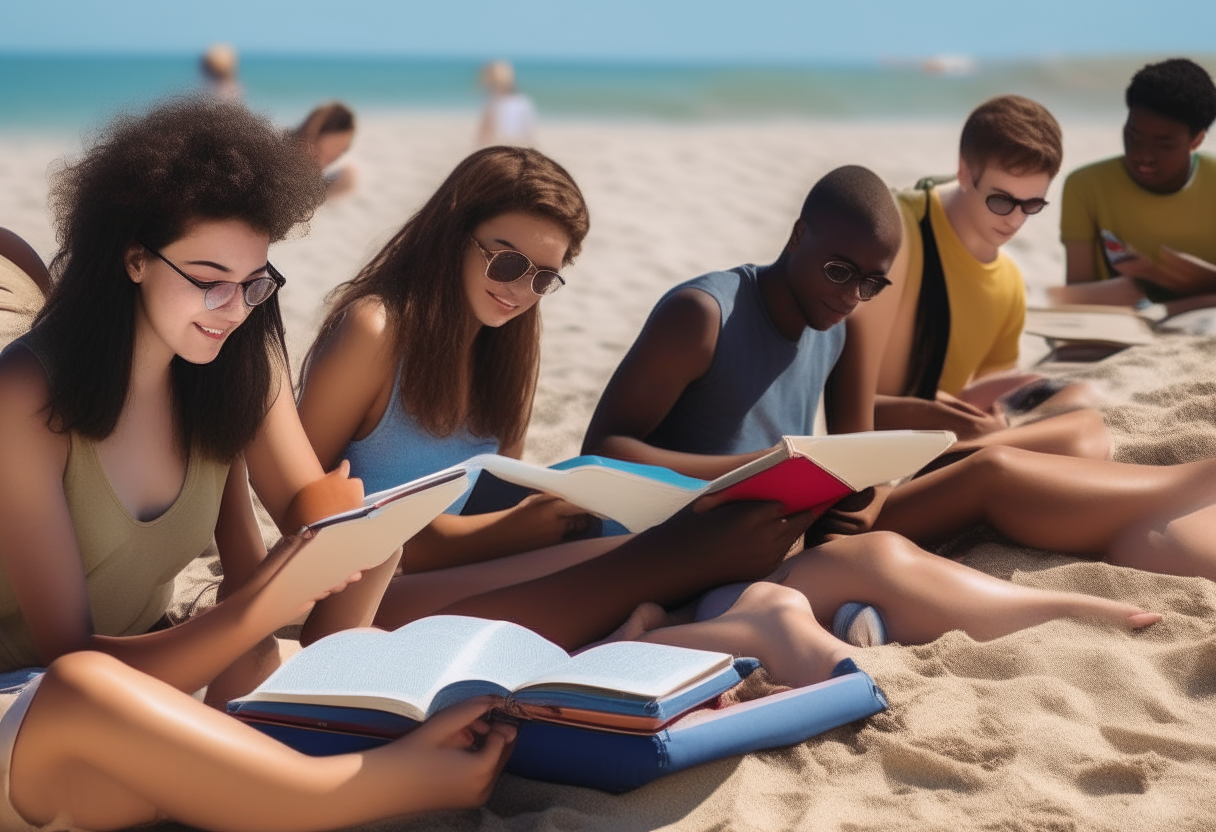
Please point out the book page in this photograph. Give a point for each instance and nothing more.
(861, 460)
(1110, 326)
(634, 668)
(370, 668)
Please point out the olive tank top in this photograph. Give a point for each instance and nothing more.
(129, 564)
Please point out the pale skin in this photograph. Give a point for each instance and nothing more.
(114, 713)
(886, 328)
(350, 380)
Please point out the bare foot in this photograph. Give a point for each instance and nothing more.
(1143, 619)
(648, 616)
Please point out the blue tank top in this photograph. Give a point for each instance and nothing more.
(759, 386)
(399, 450)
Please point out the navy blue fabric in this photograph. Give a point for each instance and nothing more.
(759, 387)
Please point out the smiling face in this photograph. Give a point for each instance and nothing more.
(1157, 150)
(820, 303)
(539, 239)
(171, 316)
(993, 229)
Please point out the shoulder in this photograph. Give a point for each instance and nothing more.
(25, 392)
(361, 334)
(686, 309)
(1094, 172)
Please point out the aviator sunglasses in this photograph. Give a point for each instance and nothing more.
(868, 285)
(216, 293)
(509, 265)
(1003, 204)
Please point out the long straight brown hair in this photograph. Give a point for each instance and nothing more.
(418, 278)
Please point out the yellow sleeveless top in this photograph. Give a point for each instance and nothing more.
(129, 565)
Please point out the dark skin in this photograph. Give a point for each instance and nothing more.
(1157, 156)
(677, 347)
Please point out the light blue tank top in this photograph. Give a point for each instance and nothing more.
(759, 386)
(399, 450)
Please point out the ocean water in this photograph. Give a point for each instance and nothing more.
(77, 92)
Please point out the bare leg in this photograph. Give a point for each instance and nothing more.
(1118, 291)
(1050, 502)
(418, 594)
(685, 556)
(109, 747)
(1079, 433)
(922, 595)
(774, 624)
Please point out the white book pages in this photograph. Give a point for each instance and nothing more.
(1107, 325)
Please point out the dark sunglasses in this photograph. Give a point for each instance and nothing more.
(1003, 204)
(868, 285)
(216, 293)
(509, 265)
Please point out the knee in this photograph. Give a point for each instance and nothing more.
(991, 461)
(882, 551)
(1090, 438)
(83, 675)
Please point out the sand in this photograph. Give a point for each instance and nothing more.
(1065, 726)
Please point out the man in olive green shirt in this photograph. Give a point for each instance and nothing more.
(1143, 225)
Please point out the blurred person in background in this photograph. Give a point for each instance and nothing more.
(509, 116)
(327, 133)
(219, 66)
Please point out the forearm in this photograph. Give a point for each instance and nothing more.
(907, 413)
(454, 540)
(1177, 307)
(701, 466)
(191, 654)
(353, 607)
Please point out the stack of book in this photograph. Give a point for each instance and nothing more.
(613, 717)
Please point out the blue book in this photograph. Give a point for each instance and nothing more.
(381, 681)
(618, 761)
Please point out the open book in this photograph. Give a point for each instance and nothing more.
(802, 472)
(332, 549)
(382, 684)
(1114, 325)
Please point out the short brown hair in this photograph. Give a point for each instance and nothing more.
(1015, 134)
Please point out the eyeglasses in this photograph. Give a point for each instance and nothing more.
(509, 265)
(216, 293)
(868, 285)
(1003, 204)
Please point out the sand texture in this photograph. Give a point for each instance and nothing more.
(1065, 726)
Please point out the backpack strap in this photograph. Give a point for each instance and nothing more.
(931, 334)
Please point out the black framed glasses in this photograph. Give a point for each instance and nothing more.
(509, 265)
(868, 285)
(1003, 204)
(216, 293)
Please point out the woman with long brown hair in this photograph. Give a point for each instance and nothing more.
(430, 354)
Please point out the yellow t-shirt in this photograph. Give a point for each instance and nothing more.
(987, 300)
(1103, 196)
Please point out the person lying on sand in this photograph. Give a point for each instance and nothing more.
(948, 328)
(1138, 228)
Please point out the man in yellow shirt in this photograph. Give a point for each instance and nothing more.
(956, 308)
(1143, 225)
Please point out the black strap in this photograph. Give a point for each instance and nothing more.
(931, 335)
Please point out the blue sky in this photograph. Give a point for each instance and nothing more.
(744, 31)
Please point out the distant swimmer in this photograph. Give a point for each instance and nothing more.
(509, 116)
(219, 66)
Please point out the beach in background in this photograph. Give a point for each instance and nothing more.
(686, 169)
(1065, 726)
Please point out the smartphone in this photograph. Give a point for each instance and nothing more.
(1115, 249)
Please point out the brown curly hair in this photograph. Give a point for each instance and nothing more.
(146, 179)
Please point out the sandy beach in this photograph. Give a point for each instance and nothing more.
(1065, 726)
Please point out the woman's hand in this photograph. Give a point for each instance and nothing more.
(545, 520)
(455, 757)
